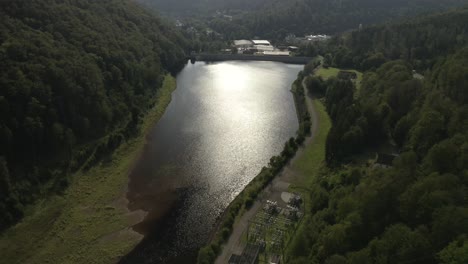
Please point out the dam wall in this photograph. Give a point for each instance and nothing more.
(245, 57)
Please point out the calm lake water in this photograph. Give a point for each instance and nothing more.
(224, 123)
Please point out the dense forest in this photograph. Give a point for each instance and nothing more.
(415, 211)
(75, 78)
(190, 8)
(318, 16)
(419, 42)
(275, 19)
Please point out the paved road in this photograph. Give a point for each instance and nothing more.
(271, 192)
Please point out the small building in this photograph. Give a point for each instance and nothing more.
(178, 23)
(316, 38)
(261, 42)
(226, 51)
(417, 75)
(275, 259)
(235, 259)
(249, 254)
(276, 53)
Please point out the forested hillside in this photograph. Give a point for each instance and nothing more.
(186, 8)
(275, 19)
(75, 78)
(322, 16)
(420, 41)
(417, 210)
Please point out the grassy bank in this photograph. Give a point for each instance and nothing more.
(90, 222)
(309, 164)
(308, 167)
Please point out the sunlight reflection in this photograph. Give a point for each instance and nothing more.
(224, 123)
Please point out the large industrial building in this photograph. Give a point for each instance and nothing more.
(258, 47)
(243, 43)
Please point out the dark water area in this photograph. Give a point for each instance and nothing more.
(224, 123)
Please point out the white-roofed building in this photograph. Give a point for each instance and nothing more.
(264, 47)
(243, 43)
(277, 53)
(261, 42)
(317, 37)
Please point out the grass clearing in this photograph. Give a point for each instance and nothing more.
(326, 73)
(333, 72)
(90, 222)
(308, 164)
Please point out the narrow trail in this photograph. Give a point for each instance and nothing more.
(313, 114)
(279, 184)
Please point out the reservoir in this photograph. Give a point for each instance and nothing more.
(224, 123)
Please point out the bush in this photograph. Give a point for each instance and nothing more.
(292, 144)
(300, 139)
(216, 247)
(225, 233)
(306, 127)
(229, 221)
(248, 202)
(206, 255)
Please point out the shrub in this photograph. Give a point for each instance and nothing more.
(225, 233)
(206, 255)
(248, 202)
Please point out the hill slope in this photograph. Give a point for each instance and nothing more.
(202, 7)
(75, 77)
(421, 41)
(417, 210)
(319, 16)
(274, 19)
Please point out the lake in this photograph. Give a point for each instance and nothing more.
(224, 123)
